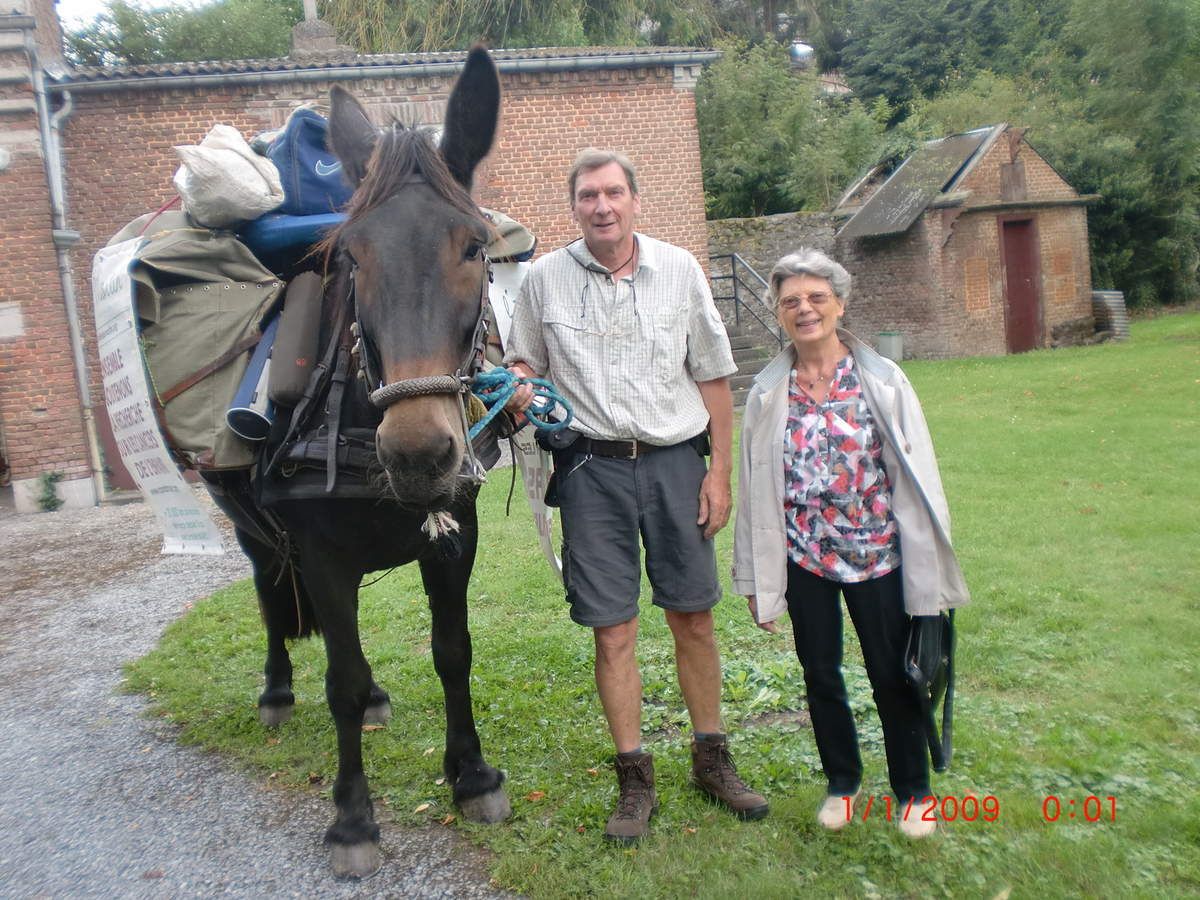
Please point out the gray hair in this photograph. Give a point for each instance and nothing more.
(590, 158)
(807, 261)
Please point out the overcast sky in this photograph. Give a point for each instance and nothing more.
(81, 12)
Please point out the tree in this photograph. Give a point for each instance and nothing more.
(906, 50)
(770, 140)
(1114, 105)
(228, 29)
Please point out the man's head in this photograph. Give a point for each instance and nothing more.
(604, 198)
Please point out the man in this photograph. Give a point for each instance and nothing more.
(626, 328)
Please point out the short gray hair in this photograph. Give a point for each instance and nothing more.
(807, 261)
(590, 158)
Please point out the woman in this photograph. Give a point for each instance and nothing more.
(839, 494)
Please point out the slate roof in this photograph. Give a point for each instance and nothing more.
(934, 169)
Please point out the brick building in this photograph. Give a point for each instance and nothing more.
(83, 151)
(974, 245)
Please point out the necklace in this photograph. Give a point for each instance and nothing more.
(813, 382)
(627, 262)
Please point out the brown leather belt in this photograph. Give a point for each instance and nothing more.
(615, 449)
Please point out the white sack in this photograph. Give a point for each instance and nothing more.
(223, 182)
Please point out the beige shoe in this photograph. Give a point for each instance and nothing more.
(834, 813)
(917, 822)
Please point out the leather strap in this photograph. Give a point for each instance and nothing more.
(246, 343)
(333, 414)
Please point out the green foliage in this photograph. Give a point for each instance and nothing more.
(771, 141)
(1139, 87)
(1077, 674)
(1114, 105)
(907, 49)
(383, 26)
(227, 29)
(47, 498)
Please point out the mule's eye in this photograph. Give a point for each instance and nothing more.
(473, 251)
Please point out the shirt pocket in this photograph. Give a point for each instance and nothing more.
(573, 335)
(665, 329)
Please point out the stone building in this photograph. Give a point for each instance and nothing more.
(974, 245)
(83, 151)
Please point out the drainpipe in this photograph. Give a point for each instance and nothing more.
(64, 239)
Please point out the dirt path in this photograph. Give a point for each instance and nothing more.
(98, 800)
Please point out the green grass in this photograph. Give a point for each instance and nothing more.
(1072, 477)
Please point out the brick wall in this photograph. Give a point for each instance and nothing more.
(119, 160)
(549, 118)
(40, 415)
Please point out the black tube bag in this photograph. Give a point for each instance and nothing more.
(929, 670)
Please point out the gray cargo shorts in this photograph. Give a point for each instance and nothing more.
(606, 505)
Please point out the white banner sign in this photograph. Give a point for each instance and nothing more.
(536, 464)
(186, 526)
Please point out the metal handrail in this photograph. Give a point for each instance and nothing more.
(753, 286)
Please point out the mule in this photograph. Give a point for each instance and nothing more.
(406, 277)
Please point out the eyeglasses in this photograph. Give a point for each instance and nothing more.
(793, 300)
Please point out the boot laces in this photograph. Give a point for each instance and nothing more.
(723, 769)
(633, 793)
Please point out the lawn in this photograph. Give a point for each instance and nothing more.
(1074, 483)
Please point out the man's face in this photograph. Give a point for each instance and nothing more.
(605, 207)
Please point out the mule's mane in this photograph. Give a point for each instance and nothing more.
(401, 155)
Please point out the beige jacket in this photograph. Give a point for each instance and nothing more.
(932, 579)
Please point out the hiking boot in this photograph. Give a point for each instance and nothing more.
(714, 773)
(637, 801)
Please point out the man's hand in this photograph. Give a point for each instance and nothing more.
(715, 502)
(752, 603)
(523, 396)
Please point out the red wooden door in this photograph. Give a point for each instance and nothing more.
(1022, 297)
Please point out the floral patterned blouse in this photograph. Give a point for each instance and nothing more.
(837, 498)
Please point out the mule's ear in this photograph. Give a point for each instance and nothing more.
(351, 135)
(471, 116)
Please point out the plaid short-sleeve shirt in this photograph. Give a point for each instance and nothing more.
(625, 353)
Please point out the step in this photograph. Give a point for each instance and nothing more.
(750, 356)
(741, 341)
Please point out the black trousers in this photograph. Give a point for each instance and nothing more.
(877, 610)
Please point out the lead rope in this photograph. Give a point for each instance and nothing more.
(496, 387)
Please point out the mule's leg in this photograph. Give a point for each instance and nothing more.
(353, 838)
(477, 786)
(286, 613)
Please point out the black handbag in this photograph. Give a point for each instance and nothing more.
(929, 669)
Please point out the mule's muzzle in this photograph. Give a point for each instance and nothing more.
(421, 452)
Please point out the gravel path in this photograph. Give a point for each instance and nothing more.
(97, 800)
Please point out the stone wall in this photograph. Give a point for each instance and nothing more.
(940, 284)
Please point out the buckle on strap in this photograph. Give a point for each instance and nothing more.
(618, 449)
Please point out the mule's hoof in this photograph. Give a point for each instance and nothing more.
(487, 808)
(274, 716)
(355, 860)
(377, 714)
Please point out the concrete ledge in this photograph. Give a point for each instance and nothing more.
(17, 106)
(75, 494)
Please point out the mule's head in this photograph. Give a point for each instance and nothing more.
(414, 240)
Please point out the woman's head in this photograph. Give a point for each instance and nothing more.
(807, 261)
(808, 291)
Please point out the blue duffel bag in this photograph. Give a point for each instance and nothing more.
(312, 176)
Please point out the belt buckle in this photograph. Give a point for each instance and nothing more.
(633, 450)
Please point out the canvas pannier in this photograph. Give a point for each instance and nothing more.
(202, 297)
